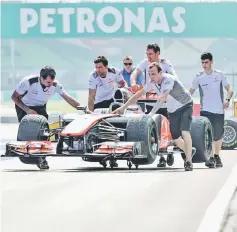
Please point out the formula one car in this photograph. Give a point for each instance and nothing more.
(102, 136)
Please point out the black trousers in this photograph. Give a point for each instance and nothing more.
(181, 120)
(41, 110)
(103, 104)
(217, 122)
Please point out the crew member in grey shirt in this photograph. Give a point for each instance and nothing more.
(153, 55)
(210, 83)
(179, 106)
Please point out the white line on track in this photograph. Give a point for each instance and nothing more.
(214, 215)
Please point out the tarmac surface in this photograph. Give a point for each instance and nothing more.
(74, 195)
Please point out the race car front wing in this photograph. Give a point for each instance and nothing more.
(115, 150)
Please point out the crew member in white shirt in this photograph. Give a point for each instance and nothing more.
(102, 82)
(210, 83)
(31, 96)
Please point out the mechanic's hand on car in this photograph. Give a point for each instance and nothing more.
(135, 88)
(30, 111)
(226, 105)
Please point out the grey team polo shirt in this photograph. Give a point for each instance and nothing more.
(211, 90)
(178, 97)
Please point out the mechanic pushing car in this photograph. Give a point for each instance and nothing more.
(210, 83)
(31, 96)
(179, 106)
(153, 55)
(102, 84)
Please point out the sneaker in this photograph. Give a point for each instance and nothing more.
(188, 166)
(219, 164)
(211, 163)
(170, 159)
(162, 163)
(184, 156)
(42, 163)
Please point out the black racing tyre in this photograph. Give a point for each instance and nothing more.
(157, 118)
(31, 128)
(142, 129)
(229, 139)
(202, 138)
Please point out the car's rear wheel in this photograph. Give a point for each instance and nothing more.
(202, 137)
(144, 129)
(229, 140)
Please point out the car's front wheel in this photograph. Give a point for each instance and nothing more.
(144, 129)
(32, 128)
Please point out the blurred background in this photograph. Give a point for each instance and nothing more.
(73, 57)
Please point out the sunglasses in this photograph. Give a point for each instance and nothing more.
(126, 64)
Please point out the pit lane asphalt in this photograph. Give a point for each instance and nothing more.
(78, 196)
